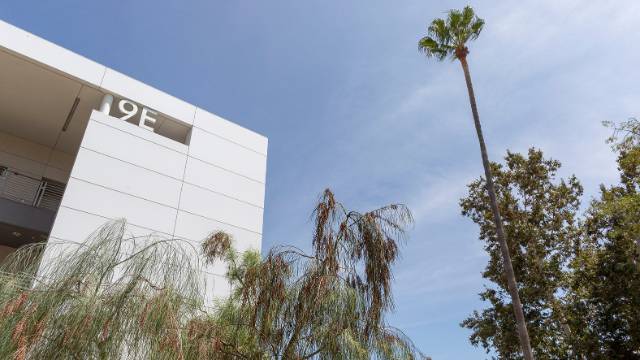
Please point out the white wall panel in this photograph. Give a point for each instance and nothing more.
(218, 151)
(137, 91)
(223, 181)
(215, 286)
(196, 228)
(77, 226)
(218, 267)
(191, 249)
(126, 178)
(138, 131)
(74, 225)
(226, 129)
(222, 287)
(121, 145)
(217, 207)
(112, 204)
(207, 283)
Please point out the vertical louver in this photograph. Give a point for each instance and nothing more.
(50, 194)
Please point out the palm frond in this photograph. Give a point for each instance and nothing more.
(440, 31)
(449, 37)
(432, 49)
(467, 17)
(476, 28)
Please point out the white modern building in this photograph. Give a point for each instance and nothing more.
(81, 144)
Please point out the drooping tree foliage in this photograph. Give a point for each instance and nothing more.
(122, 296)
(539, 213)
(112, 296)
(329, 304)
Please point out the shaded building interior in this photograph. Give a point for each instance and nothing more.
(43, 115)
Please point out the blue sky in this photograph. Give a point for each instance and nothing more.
(348, 103)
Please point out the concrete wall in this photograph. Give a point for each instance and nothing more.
(165, 187)
(33, 159)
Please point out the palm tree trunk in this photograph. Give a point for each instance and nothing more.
(506, 258)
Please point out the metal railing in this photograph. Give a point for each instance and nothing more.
(42, 193)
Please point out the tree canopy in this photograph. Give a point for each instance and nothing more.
(579, 273)
(117, 295)
(605, 291)
(540, 219)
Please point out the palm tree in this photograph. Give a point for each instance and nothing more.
(448, 38)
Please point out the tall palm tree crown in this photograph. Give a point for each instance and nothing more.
(449, 37)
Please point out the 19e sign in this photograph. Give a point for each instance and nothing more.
(130, 109)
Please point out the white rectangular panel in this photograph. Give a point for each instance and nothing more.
(226, 129)
(216, 288)
(137, 131)
(121, 145)
(224, 182)
(196, 228)
(228, 155)
(126, 178)
(220, 208)
(77, 226)
(112, 204)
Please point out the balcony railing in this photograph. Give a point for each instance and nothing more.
(42, 193)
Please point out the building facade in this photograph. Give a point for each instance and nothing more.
(82, 144)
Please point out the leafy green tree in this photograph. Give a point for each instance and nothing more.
(539, 214)
(448, 38)
(605, 291)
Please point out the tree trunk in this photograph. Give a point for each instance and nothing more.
(504, 249)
